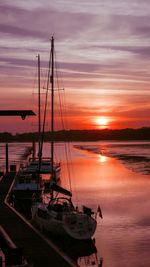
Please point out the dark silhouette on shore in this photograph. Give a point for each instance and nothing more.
(81, 135)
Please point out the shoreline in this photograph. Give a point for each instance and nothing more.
(140, 134)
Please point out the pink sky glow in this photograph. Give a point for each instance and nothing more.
(103, 55)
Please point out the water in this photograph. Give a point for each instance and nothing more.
(15, 153)
(115, 176)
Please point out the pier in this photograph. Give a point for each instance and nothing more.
(37, 250)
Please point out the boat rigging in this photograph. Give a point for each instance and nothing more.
(60, 216)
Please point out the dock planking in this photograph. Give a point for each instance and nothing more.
(36, 250)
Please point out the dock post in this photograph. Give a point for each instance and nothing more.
(6, 151)
(33, 149)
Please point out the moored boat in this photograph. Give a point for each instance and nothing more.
(30, 180)
(44, 168)
(27, 184)
(60, 216)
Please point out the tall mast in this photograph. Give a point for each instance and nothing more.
(52, 105)
(39, 111)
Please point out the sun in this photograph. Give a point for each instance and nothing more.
(102, 122)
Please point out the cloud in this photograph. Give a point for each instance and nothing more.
(102, 51)
(41, 22)
(138, 50)
(20, 32)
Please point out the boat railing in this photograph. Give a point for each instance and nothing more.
(44, 159)
(37, 159)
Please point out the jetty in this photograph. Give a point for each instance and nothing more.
(37, 250)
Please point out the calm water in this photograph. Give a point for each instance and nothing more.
(15, 151)
(115, 176)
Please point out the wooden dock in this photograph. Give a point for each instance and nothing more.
(36, 250)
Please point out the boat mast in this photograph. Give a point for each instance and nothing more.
(39, 112)
(52, 105)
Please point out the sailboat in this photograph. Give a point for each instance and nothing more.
(59, 216)
(40, 164)
(29, 180)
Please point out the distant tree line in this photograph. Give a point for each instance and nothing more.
(80, 135)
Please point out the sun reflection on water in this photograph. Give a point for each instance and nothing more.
(102, 159)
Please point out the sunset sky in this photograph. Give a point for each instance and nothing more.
(102, 49)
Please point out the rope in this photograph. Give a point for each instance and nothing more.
(62, 107)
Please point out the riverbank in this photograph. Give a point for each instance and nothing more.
(82, 135)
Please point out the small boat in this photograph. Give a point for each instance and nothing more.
(27, 184)
(45, 167)
(41, 164)
(30, 180)
(59, 216)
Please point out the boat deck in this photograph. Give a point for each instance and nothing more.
(35, 249)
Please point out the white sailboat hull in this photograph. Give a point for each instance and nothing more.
(74, 224)
(79, 225)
